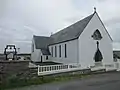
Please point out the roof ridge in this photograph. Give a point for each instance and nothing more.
(71, 32)
(74, 23)
(40, 36)
(88, 21)
(41, 41)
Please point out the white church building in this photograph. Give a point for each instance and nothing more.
(86, 42)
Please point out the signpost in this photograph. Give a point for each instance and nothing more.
(10, 52)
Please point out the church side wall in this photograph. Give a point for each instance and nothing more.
(72, 52)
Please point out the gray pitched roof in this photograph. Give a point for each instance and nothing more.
(71, 32)
(41, 42)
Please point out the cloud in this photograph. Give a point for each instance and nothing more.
(23, 18)
(20, 19)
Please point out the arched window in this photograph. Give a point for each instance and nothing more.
(97, 35)
(98, 55)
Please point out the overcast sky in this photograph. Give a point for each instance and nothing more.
(21, 19)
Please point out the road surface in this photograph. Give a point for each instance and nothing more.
(106, 81)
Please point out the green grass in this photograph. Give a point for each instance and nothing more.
(16, 82)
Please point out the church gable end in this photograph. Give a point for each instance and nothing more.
(103, 26)
(97, 33)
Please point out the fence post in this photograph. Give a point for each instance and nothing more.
(68, 66)
(38, 69)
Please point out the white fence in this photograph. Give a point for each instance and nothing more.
(107, 67)
(110, 67)
(52, 69)
(117, 65)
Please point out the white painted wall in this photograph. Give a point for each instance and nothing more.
(82, 50)
(87, 46)
(72, 52)
(36, 55)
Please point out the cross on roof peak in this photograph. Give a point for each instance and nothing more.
(94, 9)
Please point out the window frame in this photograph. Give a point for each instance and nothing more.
(65, 50)
(46, 57)
(97, 35)
(41, 58)
(32, 47)
(59, 50)
(52, 51)
(55, 51)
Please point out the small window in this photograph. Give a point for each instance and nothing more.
(41, 58)
(55, 51)
(97, 35)
(65, 50)
(52, 51)
(32, 47)
(46, 57)
(59, 50)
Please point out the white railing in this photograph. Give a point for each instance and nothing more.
(117, 65)
(51, 69)
(110, 67)
(107, 67)
(95, 68)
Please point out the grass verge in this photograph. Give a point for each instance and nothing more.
(16, 82)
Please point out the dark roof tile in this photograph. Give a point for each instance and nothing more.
(69, 33)
(41, 42)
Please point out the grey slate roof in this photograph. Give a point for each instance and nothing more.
(41, 42)
(71, 32)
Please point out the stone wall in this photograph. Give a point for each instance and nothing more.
(9, 68)
(13, 66)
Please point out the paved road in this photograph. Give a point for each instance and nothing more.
(107, 81)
